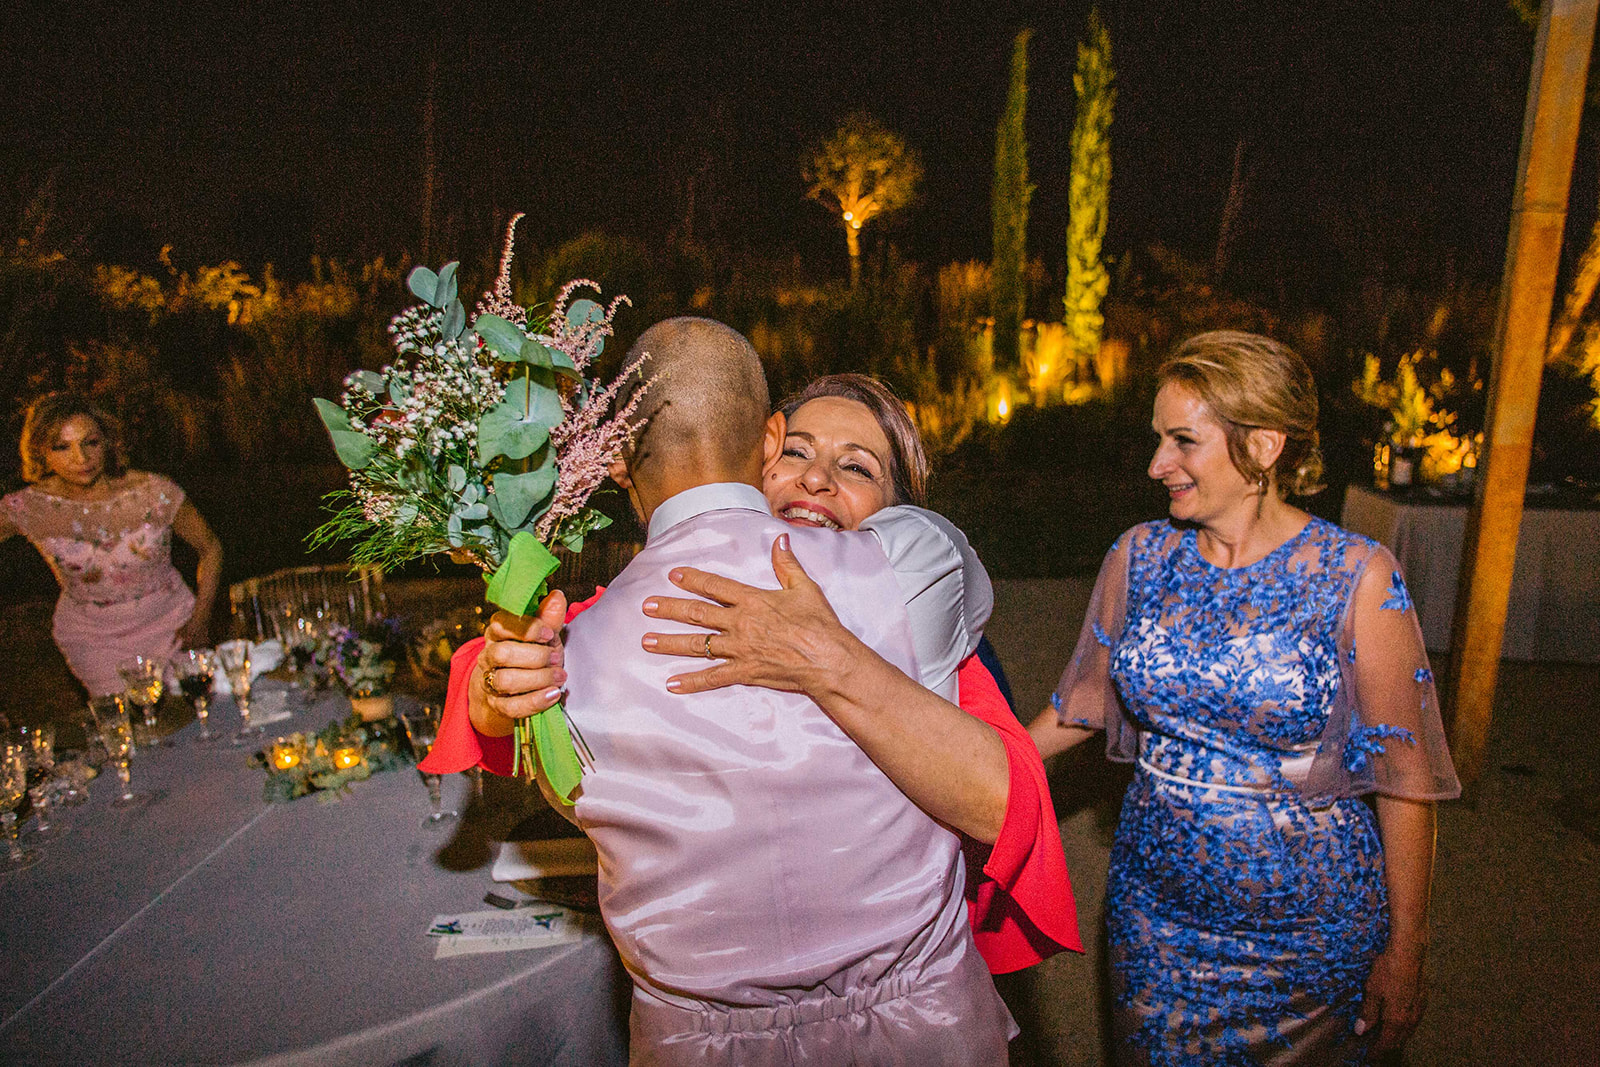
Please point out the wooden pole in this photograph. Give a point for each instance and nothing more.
(1527, 290)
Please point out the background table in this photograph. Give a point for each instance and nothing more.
(210, 927)
(1555, 589)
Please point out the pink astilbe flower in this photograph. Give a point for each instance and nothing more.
(582, 342)
(499, 301)
(586, 444)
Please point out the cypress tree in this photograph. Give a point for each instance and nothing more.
(1090, 193)
(1009, 205)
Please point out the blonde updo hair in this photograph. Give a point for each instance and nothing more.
(1252, 382)
(44, 420)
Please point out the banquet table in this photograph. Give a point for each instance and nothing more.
(208, 926)
(1554, 612)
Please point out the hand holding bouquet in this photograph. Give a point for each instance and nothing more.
(486, 443)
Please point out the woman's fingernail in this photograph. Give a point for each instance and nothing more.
(551, 694)
(676, 574)
(560, 675)
(651, 640)
(673, 685)
(783, 542)
(1361, 1027)
(650, 606)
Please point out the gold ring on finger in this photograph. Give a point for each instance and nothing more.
(489, 683)
(706, 652)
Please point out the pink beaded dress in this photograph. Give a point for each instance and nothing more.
(120, 594)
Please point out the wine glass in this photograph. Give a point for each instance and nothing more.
(234, 658)
(40, 742)
(13, 786)
(197, 672)
(422, 728)
(143, 678)
(117, 734)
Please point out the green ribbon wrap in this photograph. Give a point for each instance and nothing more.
(542, 740)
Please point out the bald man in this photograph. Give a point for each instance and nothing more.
(776, 899)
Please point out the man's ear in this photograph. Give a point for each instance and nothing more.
(619, 473)
(772, 439)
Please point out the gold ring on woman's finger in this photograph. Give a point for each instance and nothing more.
(706, 652)
(489, 684)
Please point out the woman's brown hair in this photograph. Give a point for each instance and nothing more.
(1252, 382)
(908, 463)
(43, 423)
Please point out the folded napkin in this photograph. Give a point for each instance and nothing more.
(264, 656)
(564, 857)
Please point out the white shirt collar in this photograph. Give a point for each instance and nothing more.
(716, 496)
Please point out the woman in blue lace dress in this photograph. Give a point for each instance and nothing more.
(1265, 671)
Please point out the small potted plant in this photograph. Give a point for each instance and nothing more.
(363, 662)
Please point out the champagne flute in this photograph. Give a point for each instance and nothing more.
(197, 672)
(422, 728)
(235, 660)
(13, 785)
(143, 676)
(117, 734)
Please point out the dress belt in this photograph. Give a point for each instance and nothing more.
(1250, 790)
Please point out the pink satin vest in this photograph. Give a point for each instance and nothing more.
(751, 854)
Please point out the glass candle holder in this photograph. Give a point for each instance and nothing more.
(285, 754)
(347, 753)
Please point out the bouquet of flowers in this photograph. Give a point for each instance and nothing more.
(486, 443)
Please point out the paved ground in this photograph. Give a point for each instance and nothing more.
(1516, 951)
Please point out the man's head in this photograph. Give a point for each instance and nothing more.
(704, 411)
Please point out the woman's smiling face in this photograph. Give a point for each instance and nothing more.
(1192, 459)
(832, 469)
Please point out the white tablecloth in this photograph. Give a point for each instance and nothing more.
(1555, 590)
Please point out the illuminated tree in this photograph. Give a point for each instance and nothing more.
(1009, 205)
(866, 170)
(1090, 192)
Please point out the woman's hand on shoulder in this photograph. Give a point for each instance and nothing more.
(787, 638)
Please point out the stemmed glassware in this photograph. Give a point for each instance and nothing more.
(40, 742)
(117, 734)
(422, 728)
(235, 660)
(13, 786)
(143, 676)
(197, 672)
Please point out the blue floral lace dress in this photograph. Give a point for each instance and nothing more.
(1246, 897)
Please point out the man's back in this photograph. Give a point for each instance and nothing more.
(749, 849)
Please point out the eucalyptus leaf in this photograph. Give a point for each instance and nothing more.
(455, 320)
(353, 447)
(405, 514)
(536, 354)
(457, 478)
(371, 381)
(502, 337)
(453, 531)
(423, 283)
(444, 291)
(520, 423)
(583, 312)
(515, 494)
(475, 511)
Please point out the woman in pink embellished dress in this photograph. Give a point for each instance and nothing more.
(106, 532)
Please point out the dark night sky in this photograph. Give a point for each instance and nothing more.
(275, 130)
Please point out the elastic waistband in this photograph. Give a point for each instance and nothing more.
(706, 1017)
